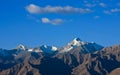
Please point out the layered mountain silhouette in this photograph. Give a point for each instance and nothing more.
(76, 58)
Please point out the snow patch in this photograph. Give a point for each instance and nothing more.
(22, 47)
(30, 50)
(54, 48)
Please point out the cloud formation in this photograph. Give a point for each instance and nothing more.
(34, 9)
(53, 22)
(115, 10)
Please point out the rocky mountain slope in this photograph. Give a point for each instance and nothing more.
(76, 58)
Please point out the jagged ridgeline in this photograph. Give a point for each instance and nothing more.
(76, 58)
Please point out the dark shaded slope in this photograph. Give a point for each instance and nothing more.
(53, 66)
(100, 63)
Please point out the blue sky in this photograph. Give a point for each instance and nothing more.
(56, 22)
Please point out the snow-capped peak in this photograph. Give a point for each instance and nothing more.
(73, 44)
(45, 46)
(48, 49)
(77, 39)
(54, 48)
(76, 42)
(21, 47)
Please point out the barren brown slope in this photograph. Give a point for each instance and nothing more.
(103, 62)
(100, 63)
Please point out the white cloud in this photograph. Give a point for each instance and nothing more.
(53, 22)
(45, 20)
(34, 9)
(102, 4)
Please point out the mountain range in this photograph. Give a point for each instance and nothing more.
(76, 58)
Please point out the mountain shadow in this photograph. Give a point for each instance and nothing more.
(111, 64)
(53, 66)
(107, 64)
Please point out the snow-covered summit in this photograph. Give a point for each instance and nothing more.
(84, 46)
(43, 48)
(75, 45)
(54, 48)
(76, 42)
(21, 47)
(48, 49)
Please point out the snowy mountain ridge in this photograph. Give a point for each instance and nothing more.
(76, 43)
